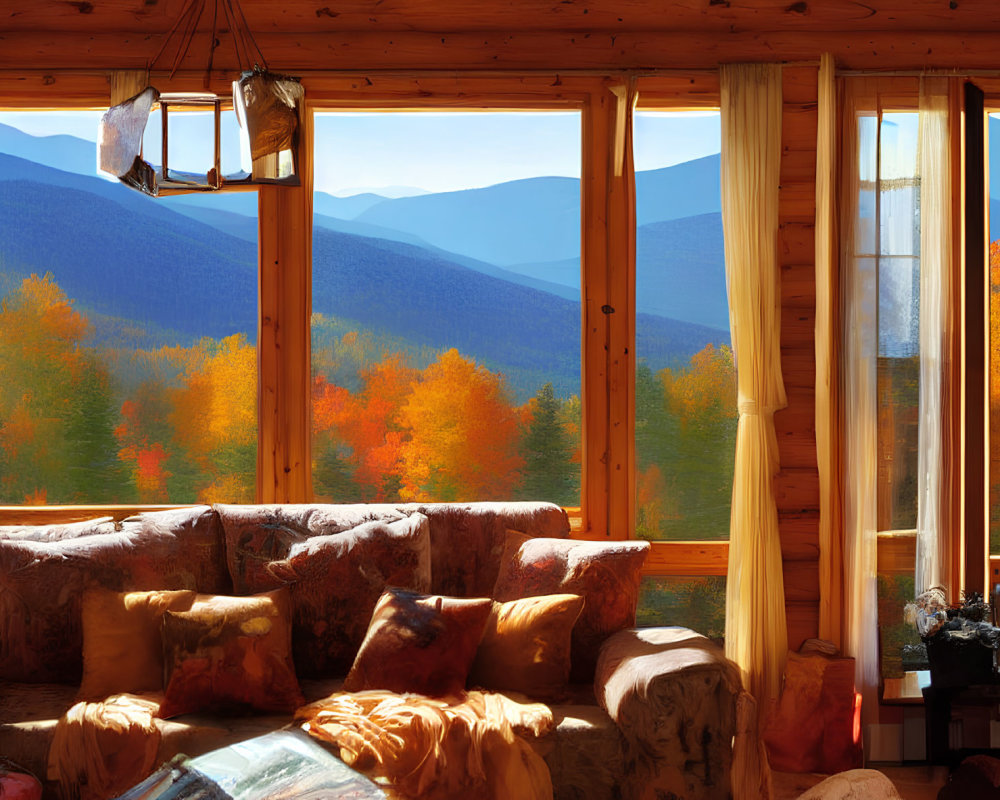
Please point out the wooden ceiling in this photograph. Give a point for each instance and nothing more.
(367, 35)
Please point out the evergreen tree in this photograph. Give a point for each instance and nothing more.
(549, 470)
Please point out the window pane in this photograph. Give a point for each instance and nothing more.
(127, 330)
(685, 405)
(446, 306)
(993, 137)
(898, 201)
(695, 603)
(899, 643)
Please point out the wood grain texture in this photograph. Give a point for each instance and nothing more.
(801, 581)
(284, 462)
(798, 535)
(687, 558)
(797, 485)
(798, 278)
(803, 622)
(514, 50)
(598, 124)
(797, 490)
(874, 16)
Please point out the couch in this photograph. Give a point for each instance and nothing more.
(654, 717)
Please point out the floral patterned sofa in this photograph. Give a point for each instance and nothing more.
(652, 714)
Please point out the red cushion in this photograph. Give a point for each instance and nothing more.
(419, 643)
(230, 653)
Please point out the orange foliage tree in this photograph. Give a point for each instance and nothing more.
(463, 434)
(363, 431)
(56, 411)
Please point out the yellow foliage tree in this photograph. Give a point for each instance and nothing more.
(215, 418)
(463, 434)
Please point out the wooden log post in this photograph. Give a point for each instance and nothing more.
(284, 453)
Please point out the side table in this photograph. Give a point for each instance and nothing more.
(940, 703)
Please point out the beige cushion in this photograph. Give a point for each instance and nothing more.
(855, 784)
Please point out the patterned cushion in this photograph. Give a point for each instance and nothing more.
(42, 584)
(418, 643)
(468, 539)
(230, 653)
(605, 574)
(336, 580)
(256, 536)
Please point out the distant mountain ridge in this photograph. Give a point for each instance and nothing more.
(172, 273)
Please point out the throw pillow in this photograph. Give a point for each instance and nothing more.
(423, 644)
(230, 653)
(526, 646)
(256, 535)
(336, 580)
(43, 582)
(122, 651)
(605, 574)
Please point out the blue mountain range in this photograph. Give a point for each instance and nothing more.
(175, 269)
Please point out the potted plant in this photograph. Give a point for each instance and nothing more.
(961, 641)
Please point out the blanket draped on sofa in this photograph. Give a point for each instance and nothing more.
(437, 749)
(101, 749)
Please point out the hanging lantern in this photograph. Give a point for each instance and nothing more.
(267, 107)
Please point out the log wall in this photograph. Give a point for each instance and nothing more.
(797, 485)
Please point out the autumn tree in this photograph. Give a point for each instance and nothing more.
(145, 438)
(214, 417)
(656, 444)
(548, 449)
(360, 435)
(703, 397)
(463, 434)
(56, 410)
(685, 429)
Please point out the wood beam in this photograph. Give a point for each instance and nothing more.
(524, 50)
(490, 15)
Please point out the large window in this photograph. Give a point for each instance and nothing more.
(685, 388)
(450, 274)
(890, 218)
(685, 424)
(446, 306)
(127, 329)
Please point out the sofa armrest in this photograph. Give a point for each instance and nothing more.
(673, 695)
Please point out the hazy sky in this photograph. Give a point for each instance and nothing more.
(438, 152)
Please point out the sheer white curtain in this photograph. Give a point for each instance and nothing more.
(756, 637)
(859, 269)
(934, 153)
(892, 313)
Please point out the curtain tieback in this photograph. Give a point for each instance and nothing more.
(752, 408)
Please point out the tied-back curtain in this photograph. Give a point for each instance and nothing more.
(859, 267)
(756, 635)
(934, 155)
